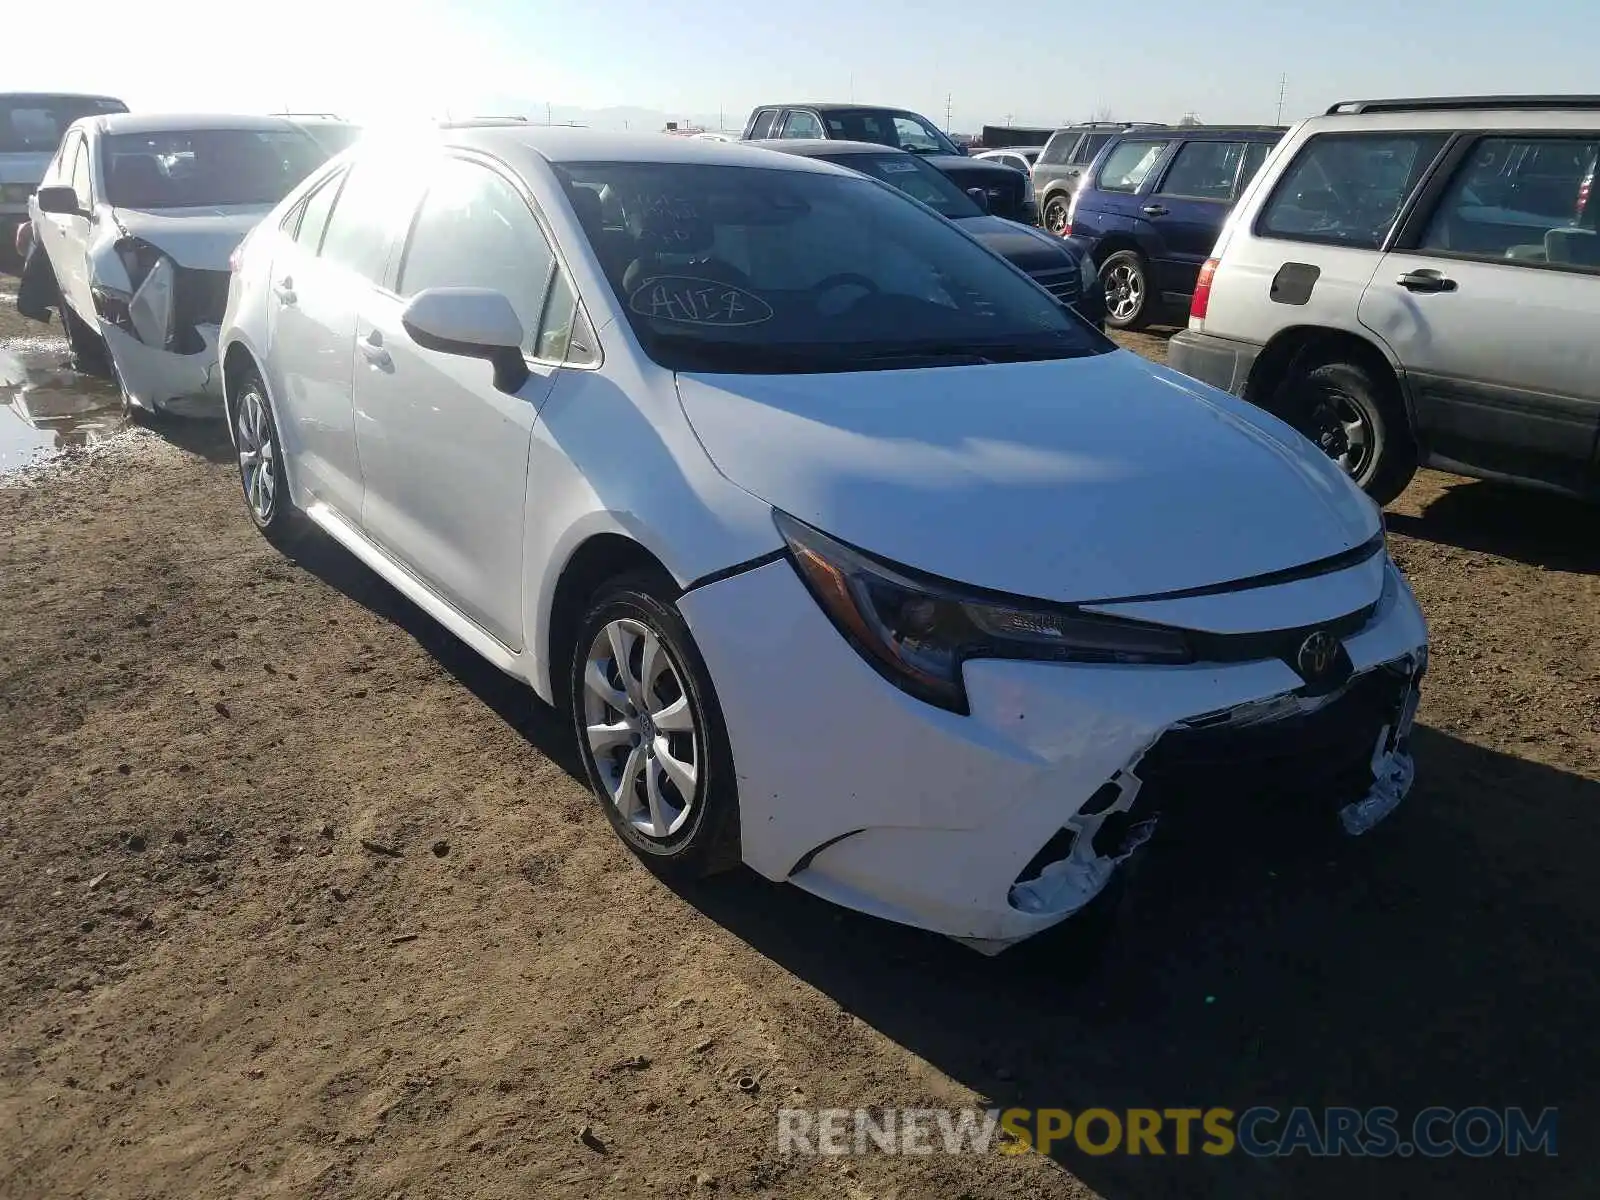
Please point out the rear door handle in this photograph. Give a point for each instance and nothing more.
(1154, 210)
(1426, 281)
(284, 290)
(372, 350)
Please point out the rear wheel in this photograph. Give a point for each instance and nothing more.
(650, 731)
(1054, 216)
(1125, 278)
(1356, 417)
(260, 452)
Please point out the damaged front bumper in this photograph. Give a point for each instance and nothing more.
(995, 826)
(160, 380)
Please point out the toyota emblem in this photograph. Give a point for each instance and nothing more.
(1317, 655)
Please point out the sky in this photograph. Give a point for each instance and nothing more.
(1048, 64)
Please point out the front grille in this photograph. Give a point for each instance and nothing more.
(198, 298)
(1062, 283)
(1304, 765)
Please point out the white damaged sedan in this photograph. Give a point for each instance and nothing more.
(137, 217)
(849, 552)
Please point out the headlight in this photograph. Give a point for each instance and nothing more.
(146, 308)
(918, 631)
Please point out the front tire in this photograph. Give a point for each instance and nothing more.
(89, 353)
(1125, 279)
(262, 477)
(650, 731)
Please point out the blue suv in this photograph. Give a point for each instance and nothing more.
(1151, 206)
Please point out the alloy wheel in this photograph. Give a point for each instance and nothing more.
(1124, 289)
(1055, 216)
(640, 728)
(257, 460)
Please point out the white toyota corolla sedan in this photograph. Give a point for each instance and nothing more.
(852, 555)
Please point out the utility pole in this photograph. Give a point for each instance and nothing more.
(947, 99)
(1283, 88)
(547, 119)
(852, 87)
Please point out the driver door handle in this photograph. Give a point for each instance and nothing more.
(284, 290)
(1426, 281)
(1154, 210)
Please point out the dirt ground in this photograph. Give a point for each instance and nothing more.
(299, 898)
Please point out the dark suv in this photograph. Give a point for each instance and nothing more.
(1062, 162)
(1151, 206)
(1005, 190)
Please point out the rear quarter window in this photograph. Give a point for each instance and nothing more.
(1347, 189)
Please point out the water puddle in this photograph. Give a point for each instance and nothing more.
(46, 406)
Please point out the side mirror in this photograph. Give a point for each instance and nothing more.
(979, 197)
(60, 200)
(471, 322)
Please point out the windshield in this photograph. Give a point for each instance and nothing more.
(743, 269)
(916, 179)
(206, 167)
(34, 124)
(902, 130)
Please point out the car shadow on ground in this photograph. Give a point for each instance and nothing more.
(1533, 527)
(1445, 959)
(206, 437)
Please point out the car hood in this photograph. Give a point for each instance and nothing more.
(1070, 480)
(201, 238)
(1020, 244)
(24, 166)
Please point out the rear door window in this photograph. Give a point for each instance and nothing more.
(1255, 153)
(1203, 170)
(314, 213)
(1089, 147)
(1129, 164)
(367, 217)
(762, 125)
(800, 124)
(1057, 148)
(1346, 189)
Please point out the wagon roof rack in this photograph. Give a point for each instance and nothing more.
(1456, 103)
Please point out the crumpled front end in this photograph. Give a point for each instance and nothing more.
(160, 322)
(993, 826)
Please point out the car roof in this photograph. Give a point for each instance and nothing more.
(187, 122)
(1452, 115)
(57, 96)
(1207, 133)
(838, 106)
(524, 145)
(822, 147)
(982, 150)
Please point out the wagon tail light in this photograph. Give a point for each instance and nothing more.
(236, 259)
(1202, 291)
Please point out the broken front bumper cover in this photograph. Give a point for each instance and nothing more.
(160, 380)
(862, 795)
